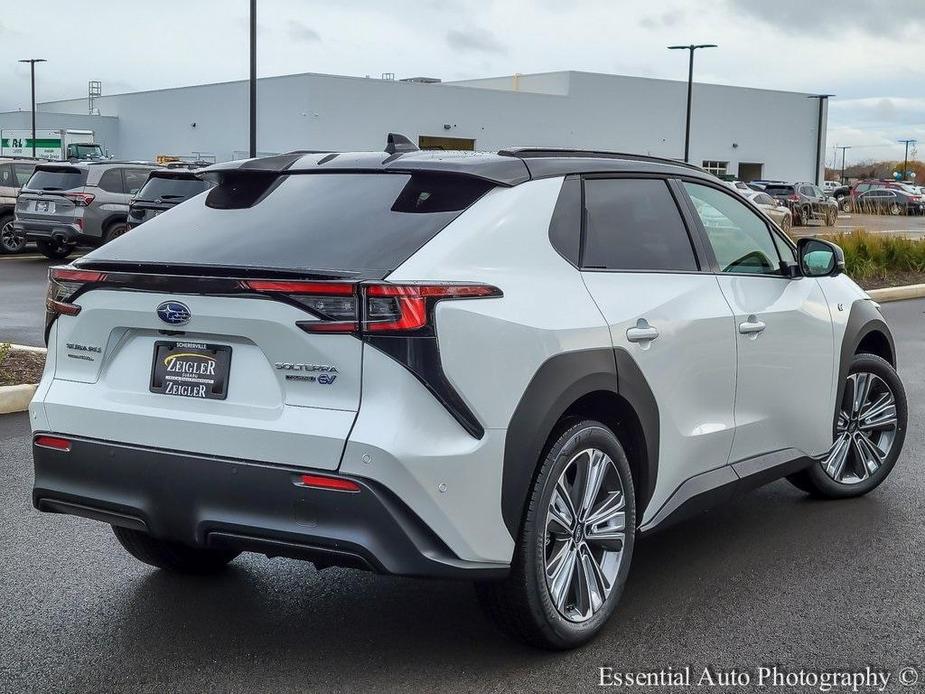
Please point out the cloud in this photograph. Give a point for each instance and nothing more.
(662, 21)
(302, 33)
(474, 40)
(825, 19)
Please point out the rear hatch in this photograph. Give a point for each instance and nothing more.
(52, 194)
(199, 331)
(162, 191)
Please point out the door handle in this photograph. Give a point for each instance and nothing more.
(643, 332)
(752, 326)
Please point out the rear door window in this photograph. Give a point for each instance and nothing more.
(634, 224)
(57, 179)
(340, 223)
(111, 181)
(23, 173)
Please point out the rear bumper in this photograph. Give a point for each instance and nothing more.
(48, 231)
(217, 502)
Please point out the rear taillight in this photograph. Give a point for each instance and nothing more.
(334, 484)
(793, 198)
(80, 199)
(56, 442)
(379, 308)
(63, 286)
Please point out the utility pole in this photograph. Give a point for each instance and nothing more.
(906, 158)
(843, 149)
(32, 62)
(690, 87)
(253, 81)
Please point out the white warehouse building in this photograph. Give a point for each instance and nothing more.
(743, 132)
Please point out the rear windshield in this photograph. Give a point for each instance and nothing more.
(170, 189)
(57, 179)
(363, 223)
(778, 190)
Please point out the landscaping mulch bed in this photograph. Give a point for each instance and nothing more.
(21, 367)
(895, 279)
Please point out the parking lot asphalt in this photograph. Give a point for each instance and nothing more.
(773, 578)
(23, 280)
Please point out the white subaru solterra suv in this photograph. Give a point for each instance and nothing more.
(504, 367)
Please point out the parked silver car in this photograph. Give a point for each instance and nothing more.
(65, 205)
(14, 173)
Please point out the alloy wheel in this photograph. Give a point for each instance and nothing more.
(585, 535)
(864, 431)
(10, 241)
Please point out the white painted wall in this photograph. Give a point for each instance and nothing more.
(566, 109)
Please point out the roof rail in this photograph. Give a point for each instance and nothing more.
(538, 152)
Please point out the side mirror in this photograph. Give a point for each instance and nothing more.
(820, 258)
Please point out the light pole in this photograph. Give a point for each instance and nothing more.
(253, 81)
(690, 86)
(906, 158)
(32, 62)
(823, 100)
(843, 149)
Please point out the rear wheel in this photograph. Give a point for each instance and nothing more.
(870, 429)
(172, 556)
(575, 546)
(845, 204)
(11, 241)
(830, 217)
(114, 230)
(54, 249)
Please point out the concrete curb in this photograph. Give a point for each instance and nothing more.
(27, 348)
(910, 291)
(16, 398)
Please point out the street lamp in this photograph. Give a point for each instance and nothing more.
(690, 85)
(253, 81)
(843, 149)
(906, 159)
(32, 62)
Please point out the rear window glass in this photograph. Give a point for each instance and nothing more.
(355, 223)
(778, 190)
(57, 179)
(170, 189)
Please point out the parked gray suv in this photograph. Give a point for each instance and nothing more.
(13, 174)
(65, 205)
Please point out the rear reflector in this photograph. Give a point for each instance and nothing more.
(337, 484)
(55, 442)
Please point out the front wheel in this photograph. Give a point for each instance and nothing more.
(575, 545)
(870, 428)
(172, 556)
(830, 218)
(54, 249)
(896, 209)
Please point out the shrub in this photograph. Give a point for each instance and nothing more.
(877, 256)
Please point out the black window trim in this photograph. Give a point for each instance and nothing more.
(692, 237)
(702, 232)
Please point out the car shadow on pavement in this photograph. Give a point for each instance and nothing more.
(266, 617)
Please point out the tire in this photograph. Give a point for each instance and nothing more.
(54, 250)
(895, 209)
(10, 241)
(840, 476)
(830, 217)
(787, 224)
(114, 230)
(172, 556)
(522, 604)
(845, 205)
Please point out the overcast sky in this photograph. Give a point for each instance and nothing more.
(864, 51)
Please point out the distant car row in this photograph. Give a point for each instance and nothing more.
(881, 197)
(790, 204)
(59, 206)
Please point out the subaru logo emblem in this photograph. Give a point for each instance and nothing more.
(174, 312)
